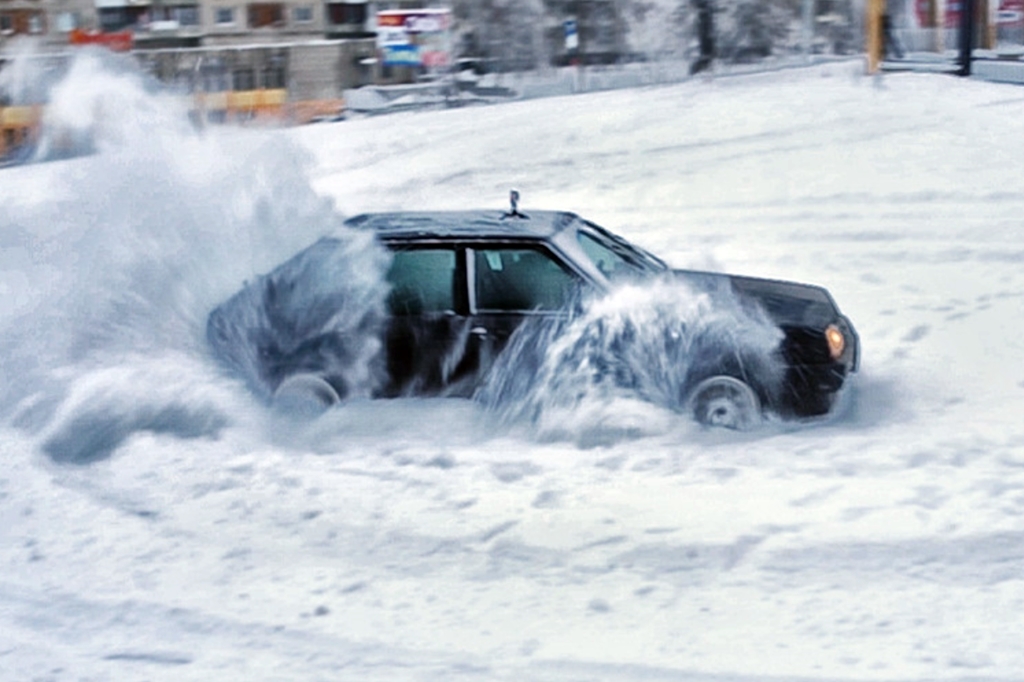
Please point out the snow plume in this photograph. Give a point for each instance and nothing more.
(93, 99)
(113, 261)
(622, 365)
(102, 103)
(308, 316)
(22, 81)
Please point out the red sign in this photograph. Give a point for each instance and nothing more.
(415, 21)
(122, 41)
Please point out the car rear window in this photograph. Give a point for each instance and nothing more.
(422, 281)
(614, 256)
(520, 279)
(607, 261)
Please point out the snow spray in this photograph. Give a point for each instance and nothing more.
(113, 260)
(621, 365)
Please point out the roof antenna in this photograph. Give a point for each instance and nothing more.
(513, 198)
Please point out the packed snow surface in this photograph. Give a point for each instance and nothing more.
(158, 522)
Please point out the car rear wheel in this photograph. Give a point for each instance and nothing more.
(305, 393)
(724, 402)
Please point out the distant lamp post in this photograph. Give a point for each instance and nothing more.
(966, 36)
(807, 27)
(705, 35)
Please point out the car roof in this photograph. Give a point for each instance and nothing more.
(481, 223)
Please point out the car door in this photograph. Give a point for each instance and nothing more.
(509, 284)
(427, 347)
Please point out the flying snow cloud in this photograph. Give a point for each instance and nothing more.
(623, 364)
(114, 260)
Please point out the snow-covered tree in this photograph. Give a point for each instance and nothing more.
(747, 30)
(506, 34)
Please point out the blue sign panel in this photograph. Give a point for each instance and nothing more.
(572, 38)
(402, 55)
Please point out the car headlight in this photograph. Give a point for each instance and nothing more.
(835, 340)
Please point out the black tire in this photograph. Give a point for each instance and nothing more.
(724, 402)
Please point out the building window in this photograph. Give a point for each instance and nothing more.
(225, 16)
(66, 22)
(266, 14)
(302, 14)
(177, 15)
(6, 24)
(344, 13)
(114, 19)
(187, 15)
(243, 79)
(274, 74)
(422, 281)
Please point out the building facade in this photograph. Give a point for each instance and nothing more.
(24, 17)
(314, 49)
(493, 28)
(191, 23)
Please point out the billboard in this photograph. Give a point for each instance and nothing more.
(415, 37)
(1006, 13)
(1011, 13)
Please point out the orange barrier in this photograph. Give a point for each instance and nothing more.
(264, 106)
(17, 126)
(311, 110)
(21, 123)
(252, 105)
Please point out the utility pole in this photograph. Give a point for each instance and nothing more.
(988, 22)
(933, 22)
(808, 27)
(966, 36)
(705, 35)
(875, 39)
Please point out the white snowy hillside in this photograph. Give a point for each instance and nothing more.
(157, 522)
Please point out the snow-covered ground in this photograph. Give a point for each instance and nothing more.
(208, 539)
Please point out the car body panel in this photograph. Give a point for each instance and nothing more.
(463, 282)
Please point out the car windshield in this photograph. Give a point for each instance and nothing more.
(614, 256)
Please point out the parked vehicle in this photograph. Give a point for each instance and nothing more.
(463, 283)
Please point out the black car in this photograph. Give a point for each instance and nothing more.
(464, 283)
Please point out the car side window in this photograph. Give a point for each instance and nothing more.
(422, 281)
(520, 279)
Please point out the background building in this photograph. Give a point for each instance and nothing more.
(190, 23)
(317, 48)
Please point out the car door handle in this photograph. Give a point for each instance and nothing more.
(479, 331)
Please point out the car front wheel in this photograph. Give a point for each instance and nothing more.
(724, 402)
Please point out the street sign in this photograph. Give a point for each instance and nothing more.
(572, 36)
(415, 37)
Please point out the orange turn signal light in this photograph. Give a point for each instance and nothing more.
(836, 341)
